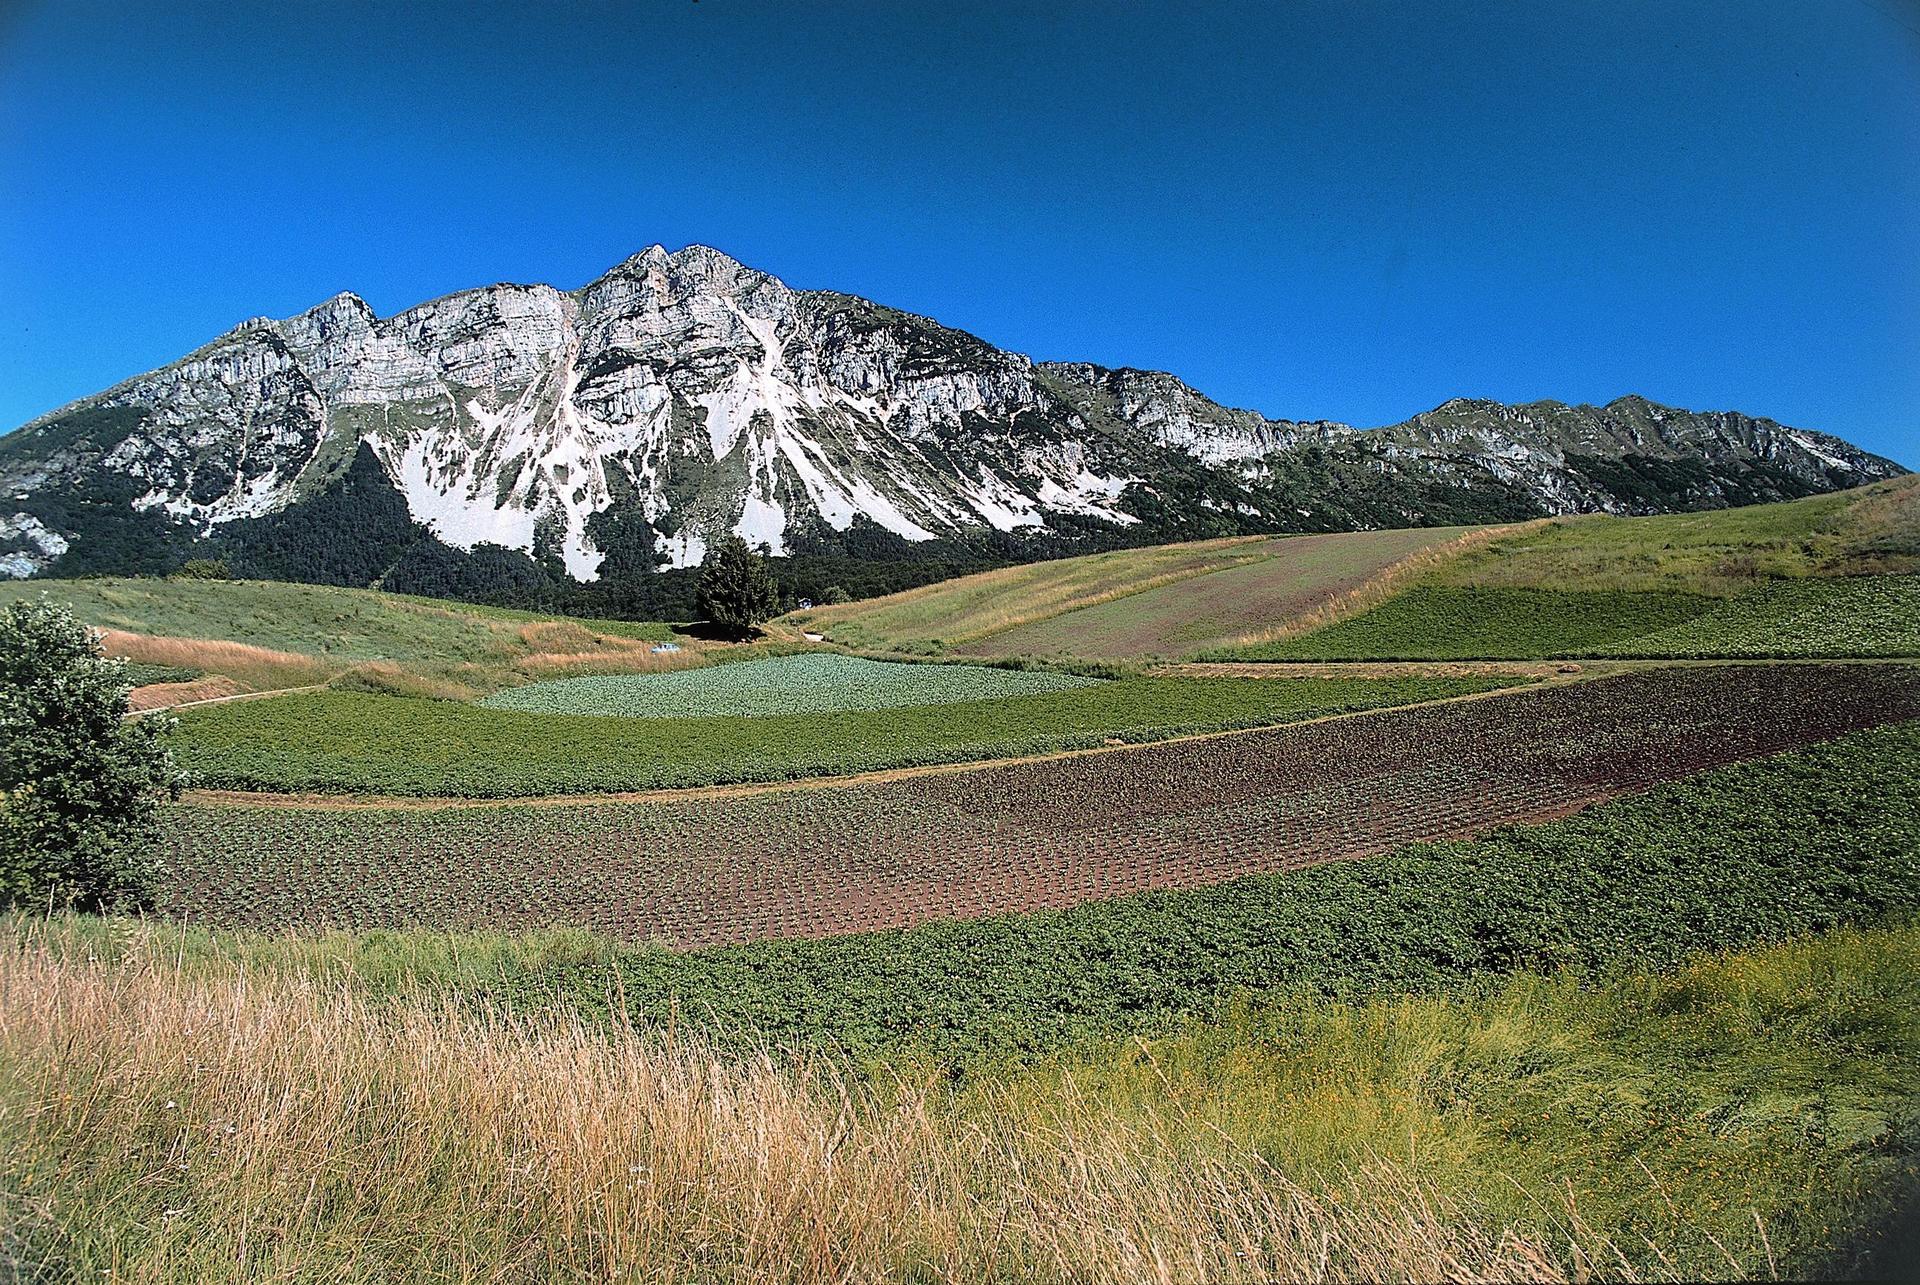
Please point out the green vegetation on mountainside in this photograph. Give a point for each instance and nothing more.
(1718, 552)
(339, 741)
(819, 683)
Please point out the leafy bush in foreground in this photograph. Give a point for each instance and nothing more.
(80, 786)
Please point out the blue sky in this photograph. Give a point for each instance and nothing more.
(1347, 210)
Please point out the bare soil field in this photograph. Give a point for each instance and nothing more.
(814, 862)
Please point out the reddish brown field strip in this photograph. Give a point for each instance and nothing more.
(811, 862)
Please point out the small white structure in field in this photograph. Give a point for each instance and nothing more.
(663, 647)
(806, 604)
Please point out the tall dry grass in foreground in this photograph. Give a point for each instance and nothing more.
(154, 1127)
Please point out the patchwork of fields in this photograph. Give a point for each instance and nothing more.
(352, 742)
(805, 862)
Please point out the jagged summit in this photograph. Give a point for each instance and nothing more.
(683, 394)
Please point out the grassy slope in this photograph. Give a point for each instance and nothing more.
(1771, 580)
(267, 635)
(1296, 575)
(957, 611)
(384, 744)
(1719, 552)
(320, 620)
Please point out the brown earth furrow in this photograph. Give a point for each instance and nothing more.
(801, 862)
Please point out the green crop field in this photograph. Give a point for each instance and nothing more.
(807, 684)
(1816, 617)
(1289, 578)
(1821, 577)
(349, 741)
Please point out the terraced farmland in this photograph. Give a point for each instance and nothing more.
(816, 861)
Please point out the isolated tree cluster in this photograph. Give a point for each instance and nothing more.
(737, 592)
(81, 784)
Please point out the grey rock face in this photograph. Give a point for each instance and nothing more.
(711, 398)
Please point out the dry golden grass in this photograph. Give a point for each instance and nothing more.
(988, 602)
(1379, 588)
(254, 668)
(155, 1126)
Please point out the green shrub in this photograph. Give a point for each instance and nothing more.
(80, 784)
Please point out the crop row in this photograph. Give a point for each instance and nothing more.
(811, 862)
(820, 683)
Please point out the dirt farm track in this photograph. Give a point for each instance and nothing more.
(812, 862)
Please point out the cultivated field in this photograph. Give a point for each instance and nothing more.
(1163, 601)
(378, 744)
(1292, 578)
(816, 684)
(1013, 837)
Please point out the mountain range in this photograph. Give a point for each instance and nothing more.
(521, 433)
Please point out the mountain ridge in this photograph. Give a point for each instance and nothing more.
(622, 426)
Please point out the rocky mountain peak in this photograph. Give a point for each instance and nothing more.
(683, 394)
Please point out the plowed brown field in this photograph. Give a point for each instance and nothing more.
(812, 862)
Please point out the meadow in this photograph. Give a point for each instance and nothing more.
(266, 635)
(378, 744)
(1821, 577)
(1289, 578)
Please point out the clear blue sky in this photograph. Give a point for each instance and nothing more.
(1340, 209)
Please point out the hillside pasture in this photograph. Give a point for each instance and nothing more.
(952, 612)
(697, 870)
(266, 635)
(1284, 580)
(1715, 552)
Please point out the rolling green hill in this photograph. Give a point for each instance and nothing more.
(1821, 577)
